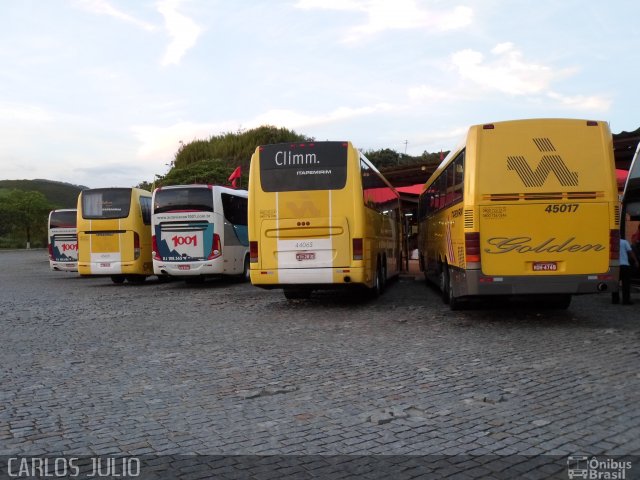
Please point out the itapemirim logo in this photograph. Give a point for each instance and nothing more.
(550, 163)
(594, 468)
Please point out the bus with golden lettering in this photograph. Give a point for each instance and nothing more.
(523, 207)
(114, 233)
(321, 216)
(63, 240)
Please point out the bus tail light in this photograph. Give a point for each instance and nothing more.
(51, 252)
(614, 244)
(358, 250)
(472, 247)
(136, 246)
(154, 247)
(253, 252)
(216, 248)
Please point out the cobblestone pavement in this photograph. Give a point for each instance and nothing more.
(92, 368)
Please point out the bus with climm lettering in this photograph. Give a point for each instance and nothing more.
(114, 234)
(63, 240)
(200, 231)
(321, 216)
(523, 207)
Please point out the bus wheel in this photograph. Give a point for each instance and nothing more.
(245, 276)
(195, 280)
(117, 279)
(383, 275)
(376, 290)
(297, 293)
(454, 302)
(444, 283)
(136, 279)
(561, 302)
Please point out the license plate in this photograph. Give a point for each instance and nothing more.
(105, 265)
(545, 266)
(184, 267)
(305, 256)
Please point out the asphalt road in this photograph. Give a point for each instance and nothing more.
(224, 368)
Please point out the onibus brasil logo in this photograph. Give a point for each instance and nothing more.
(594, 468)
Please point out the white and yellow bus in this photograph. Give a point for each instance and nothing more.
(114, 233)
(200, 231)
(63, 240)
(321, 216)
(523, 207)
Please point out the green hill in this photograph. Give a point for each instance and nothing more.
(60, 194)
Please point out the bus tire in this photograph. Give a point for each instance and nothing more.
(296, 293)
(245, 276)
(195, 280)
(376, 290)
(118, 279)
(454, 302)
(136, 279)
(559, 301)
(383, 274)
(444, 283)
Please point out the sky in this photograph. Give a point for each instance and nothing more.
(102, 93)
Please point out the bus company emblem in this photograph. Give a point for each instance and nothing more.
(550, 163)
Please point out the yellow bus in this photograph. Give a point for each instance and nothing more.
(114, 233)
(523, 207)
(321, 216)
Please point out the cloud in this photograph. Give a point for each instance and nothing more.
(582, 102)
(428, 94)
(506, 71)
(157, 143)
(24, 113)
(383, 15)
(103, 7)
(293, 119)
(183, 31)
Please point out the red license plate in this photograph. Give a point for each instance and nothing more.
(545, 266)
(184, 267)
(305, 256)
(105, 265)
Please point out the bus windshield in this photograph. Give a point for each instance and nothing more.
(288, 167)
(172, 199)
(106, 203)
(63, 219)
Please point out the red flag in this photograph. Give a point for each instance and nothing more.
(237, 173)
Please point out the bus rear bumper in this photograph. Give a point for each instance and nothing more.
(64, 266)
(316, 278)
(474, 283)
(188, 269)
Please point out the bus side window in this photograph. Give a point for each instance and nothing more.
(145, 207)
(235, 209)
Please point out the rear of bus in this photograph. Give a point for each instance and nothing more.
(306, 218)
(199, 230)
(543, 217)
(63, 240)
(114, 233)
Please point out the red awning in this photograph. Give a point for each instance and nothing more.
(412, 189)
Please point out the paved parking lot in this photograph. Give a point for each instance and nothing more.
(223, 368)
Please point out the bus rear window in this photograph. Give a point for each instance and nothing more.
(187, 198)
(286, 167)
(63, 219)
(105, 203)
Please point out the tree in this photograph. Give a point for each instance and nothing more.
(26, 213)
(215, 172)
